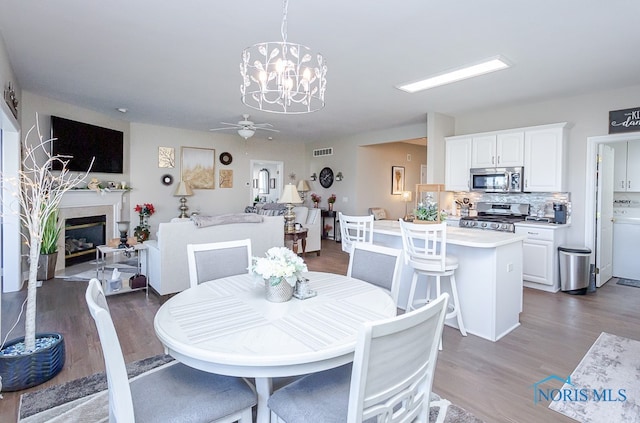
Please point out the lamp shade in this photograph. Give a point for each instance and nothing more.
(406, 196)
(290, 195)
(303, 185)
(183, 190)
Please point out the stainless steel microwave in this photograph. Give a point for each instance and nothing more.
(497, 179)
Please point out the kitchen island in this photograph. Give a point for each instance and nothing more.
(489, 276)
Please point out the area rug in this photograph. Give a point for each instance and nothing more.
(86, 400)
(628, 282)
(606, 383)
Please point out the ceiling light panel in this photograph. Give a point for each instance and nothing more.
(470, 71)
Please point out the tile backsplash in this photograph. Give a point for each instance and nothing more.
(538, 201)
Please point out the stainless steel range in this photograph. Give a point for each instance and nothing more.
(496, 216)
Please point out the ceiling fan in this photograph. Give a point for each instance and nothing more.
(245, 127)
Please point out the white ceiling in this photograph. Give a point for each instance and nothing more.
(177, 63)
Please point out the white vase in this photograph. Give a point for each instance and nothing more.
(279, 293)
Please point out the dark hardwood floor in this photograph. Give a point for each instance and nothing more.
(492, 380)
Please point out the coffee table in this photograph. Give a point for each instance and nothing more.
(294, 237)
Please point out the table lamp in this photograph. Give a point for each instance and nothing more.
(303, 187)
(290, 196)
(183, 190)
(123, 227)
(406, 197)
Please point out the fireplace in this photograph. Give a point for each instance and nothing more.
(84, 203)
(81, 237)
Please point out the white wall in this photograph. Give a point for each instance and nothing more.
(346, 158)
(146, 175)
(10, 248)
(588, 116)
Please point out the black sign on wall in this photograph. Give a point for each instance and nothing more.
(627, 120)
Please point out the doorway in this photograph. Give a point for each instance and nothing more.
(266, 180)
(593, 226)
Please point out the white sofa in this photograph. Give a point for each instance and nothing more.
(167, 267)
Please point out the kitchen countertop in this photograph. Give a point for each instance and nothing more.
(466, 237)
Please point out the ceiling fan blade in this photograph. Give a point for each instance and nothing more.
(231, 124)
(222, 129)
(262, 125)
(267, 129)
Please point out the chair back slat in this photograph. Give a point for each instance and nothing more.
(120, 402)
(394, 364)
(218, 260)
(426, 244)
(355, 229)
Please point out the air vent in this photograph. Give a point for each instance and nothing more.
(321, 152)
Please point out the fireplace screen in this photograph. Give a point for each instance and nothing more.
(81, 237)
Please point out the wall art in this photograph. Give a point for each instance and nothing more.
(397, 180)
(198, 167)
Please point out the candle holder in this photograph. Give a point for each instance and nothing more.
(123, 227)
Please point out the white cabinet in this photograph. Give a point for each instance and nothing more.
(544, 152)
(457, 163)
(540, 252)
(498, 150)
(626, 170)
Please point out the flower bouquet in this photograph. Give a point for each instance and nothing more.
(331, 200)
(280, 268)
(316, 199)
(141, 231)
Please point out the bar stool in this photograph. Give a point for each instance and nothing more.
(425, 250)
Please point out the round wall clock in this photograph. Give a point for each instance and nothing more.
(167, 179)
(225, 158)
(326, 177)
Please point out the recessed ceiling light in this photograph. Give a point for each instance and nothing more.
(487, 66)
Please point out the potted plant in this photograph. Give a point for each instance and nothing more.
(49, 248)
(141, 231)
(331, 200)
(36, 195)
(428, 213)
(316, 199)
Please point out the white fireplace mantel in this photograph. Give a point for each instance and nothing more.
(86, 202)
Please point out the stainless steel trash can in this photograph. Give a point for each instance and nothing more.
(574, 269)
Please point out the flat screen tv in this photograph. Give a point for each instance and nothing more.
(83, 141)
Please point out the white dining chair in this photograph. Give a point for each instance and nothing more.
(392, 374)
(425, 251)
(377, 265)
(355, 229)
(171, 393)
(217, 260)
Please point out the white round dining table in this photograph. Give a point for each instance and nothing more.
(226, 326)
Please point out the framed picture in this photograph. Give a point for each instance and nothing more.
(397, 180)
(198, 167)
(225, 179)
(166, 157)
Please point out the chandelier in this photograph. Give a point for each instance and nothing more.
(283, 77)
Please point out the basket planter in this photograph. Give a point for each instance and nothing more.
(24, 371)
(280, 293)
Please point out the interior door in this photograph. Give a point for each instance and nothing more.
(604, 214)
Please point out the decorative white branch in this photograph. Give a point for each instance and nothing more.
(38, 192)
